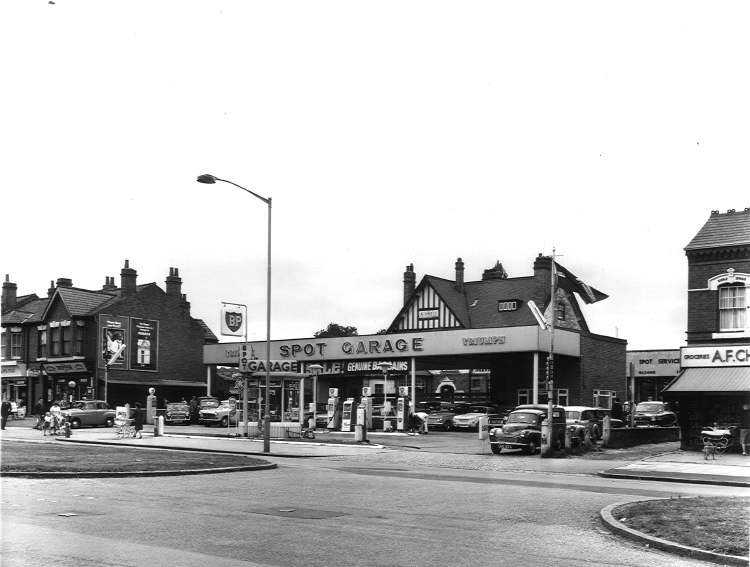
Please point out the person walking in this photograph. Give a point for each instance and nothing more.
(39, 413)
(138, 419)
(194, 407)
(5, 410)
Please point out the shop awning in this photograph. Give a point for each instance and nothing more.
(155, 382)
(711, 380)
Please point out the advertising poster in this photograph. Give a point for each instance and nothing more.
(144, 344)
(113, 332)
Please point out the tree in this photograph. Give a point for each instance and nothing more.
(336, 330)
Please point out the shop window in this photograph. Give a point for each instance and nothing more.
(732, 307)
(603, 398)
(562, 397)
(41, 343)
(524, 396)
(16, 344)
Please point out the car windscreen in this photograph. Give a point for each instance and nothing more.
(648, 407)
(573, 414)
(177, 407)
(522, 417)
(210, 404)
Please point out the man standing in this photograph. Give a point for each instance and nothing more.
(744, 429)
(5, 410)
(39, 413)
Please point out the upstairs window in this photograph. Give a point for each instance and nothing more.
(16, 345)
(78, 339)
(41, 348)
(56, 342)
(732, 307)
(4, 344)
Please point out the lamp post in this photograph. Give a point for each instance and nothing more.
(315, 369)
(385, 367)
(210, 179)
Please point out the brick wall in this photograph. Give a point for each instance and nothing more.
(603, 365)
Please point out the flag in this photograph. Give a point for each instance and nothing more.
(572, 283)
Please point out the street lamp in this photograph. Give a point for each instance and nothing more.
(315, 369)
(211, 179)
(385, 367)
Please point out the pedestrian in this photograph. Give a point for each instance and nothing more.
(138, 420)
(5, 410)
(39, 413)
(47, 424)
(745, 429)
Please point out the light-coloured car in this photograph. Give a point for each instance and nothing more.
(223, 413)
(470, 420)
(89, 413)
(177, 412)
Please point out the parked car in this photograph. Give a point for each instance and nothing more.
(441, 419)
(590, 419)
(177, 412)
(470, 420)
(523, 429)
(655, 414)
(89, 412)
(427, 407)
(223, 413)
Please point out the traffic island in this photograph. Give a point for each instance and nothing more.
(77, 460)
(685, 526)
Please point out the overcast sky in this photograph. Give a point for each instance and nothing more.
(386, 133)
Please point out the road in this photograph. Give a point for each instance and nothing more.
(399, 507)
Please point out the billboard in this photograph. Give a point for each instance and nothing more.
(233, 319)
(113, 333)
(144, 344)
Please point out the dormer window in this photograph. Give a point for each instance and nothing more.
(732, 307)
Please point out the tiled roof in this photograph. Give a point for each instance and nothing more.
(80, 302)
(30, 312)
(723, 229)
(207, 332)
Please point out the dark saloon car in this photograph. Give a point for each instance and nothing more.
(655, 414)
(89, 412)
(523, 429)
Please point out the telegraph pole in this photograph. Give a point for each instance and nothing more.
(551, 356)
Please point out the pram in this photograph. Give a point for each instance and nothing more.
(124, 427)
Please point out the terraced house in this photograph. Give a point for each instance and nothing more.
(114, 342)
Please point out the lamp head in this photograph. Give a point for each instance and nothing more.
(385, 366)
(206, 178)
(315, 368)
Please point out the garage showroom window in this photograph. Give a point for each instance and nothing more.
(732, 307)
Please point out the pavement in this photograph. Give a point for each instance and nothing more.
(674, 465)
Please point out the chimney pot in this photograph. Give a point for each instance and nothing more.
(10, 293)
(128, 278)
(460, 274)
(174, 283)
(410, 280)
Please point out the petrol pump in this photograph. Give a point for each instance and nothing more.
(348, 415)
(366, 403)
(334, 412)
(402, 409)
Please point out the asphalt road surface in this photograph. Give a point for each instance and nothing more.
(401, 507)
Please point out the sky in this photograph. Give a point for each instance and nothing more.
(385, 133)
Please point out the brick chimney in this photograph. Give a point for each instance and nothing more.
(460, 275)
(127, 279)
(64, 282)
(174, 283)
(109, 283)
(497, 272)
(51, 289)
(542, 268)
(410, 281)
(9, 294)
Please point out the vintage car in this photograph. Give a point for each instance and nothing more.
(89, 412)
(177, 412)
(523, 429)
(654, 414)
(223, 413)
(590, 419)
(470, 419)
(441, 419)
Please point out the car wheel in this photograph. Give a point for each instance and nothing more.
(530, 448)
(595, 435)
(110, 422)
(448, 426)
(224, 421)
(75, 423)
(496, 449)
